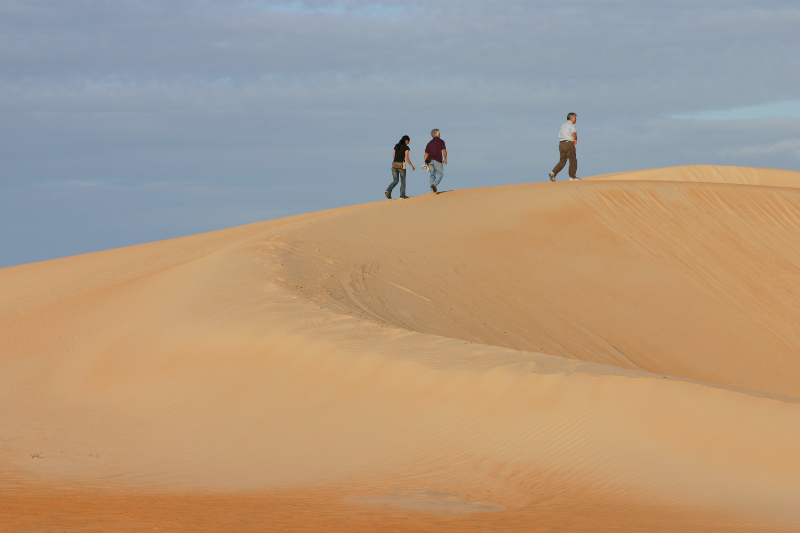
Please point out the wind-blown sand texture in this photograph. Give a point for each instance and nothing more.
(616, 354)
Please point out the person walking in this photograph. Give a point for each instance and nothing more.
(400, 155)
(567, 141)
(435, 158)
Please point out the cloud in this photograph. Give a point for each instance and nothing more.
(785, 146)
(781, 110)
(385, 10)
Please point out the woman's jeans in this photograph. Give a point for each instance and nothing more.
(399, 174)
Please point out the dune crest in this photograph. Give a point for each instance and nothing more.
(613, 347)
(768, 177)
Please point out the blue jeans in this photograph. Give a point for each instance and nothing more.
(399, 174)
(437, 172)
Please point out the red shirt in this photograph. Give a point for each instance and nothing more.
(434, 149)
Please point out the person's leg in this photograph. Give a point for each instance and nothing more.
(562, 150)
(396, 177)
(573, 160)
(402, 182)
(437, 172)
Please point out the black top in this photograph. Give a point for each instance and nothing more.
(400, 150)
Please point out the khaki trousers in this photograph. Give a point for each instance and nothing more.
(567, 151)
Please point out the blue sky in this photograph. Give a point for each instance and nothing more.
(124, 122)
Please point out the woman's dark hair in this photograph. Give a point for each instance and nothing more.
(404, 139)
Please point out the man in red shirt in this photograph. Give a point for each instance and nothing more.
(436, 157)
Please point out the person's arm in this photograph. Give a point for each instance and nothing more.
(409, 160)
(426, 157)
(575, 137)
(444, 154)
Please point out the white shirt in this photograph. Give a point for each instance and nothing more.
(566, 131)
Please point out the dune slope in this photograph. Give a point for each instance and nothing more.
(614, 354)
(770, 177)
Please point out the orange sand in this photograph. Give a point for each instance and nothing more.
(616, 354)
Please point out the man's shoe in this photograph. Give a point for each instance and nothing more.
(388, 194)
(404, 197)
(552, 177)
(575, 179)
(433, 188)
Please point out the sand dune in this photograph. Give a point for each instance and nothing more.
(769, 177)
(613, 354)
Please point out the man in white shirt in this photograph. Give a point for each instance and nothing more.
(567, 141)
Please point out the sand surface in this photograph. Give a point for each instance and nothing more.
(616, 354)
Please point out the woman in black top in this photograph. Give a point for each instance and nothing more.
(400, 155)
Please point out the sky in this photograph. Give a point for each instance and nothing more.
(124, 122)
